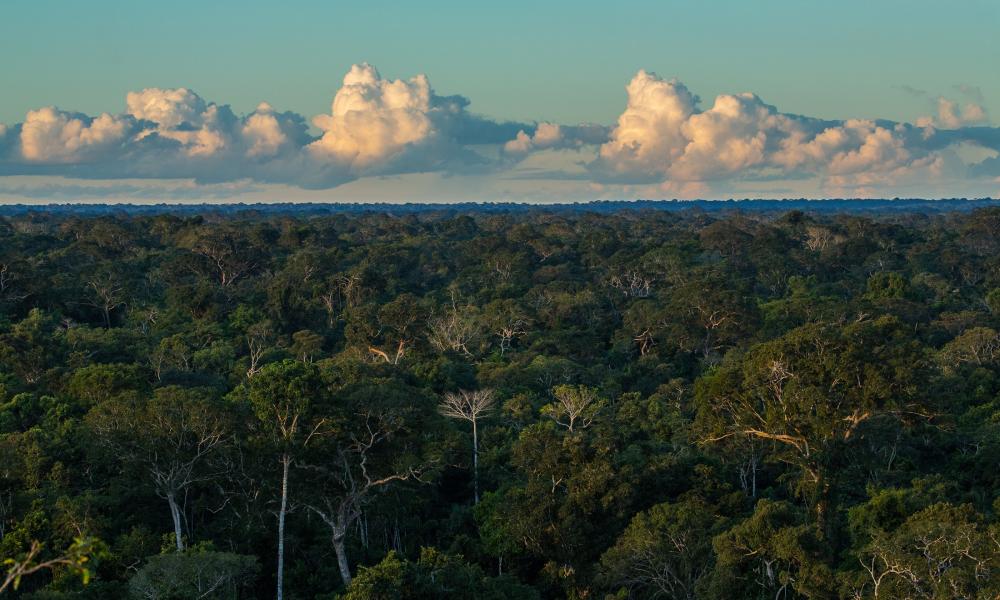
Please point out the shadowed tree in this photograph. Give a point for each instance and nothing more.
(105, 293)
(379, 442)
(173, 436)
(194, 574)
(810, 392)
(75, 558)
(665, 550)
(286, 398)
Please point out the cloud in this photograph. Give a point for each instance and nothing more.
(384, 126)
(951, 115)
(180, 115)
(163, 133)
(664, 141)
(376, 127)
(266, 133)
(374, 120)
(663, 135)
(204, 129)
(648, 137)
(6, 141)
(730, 137)
(552, 136)
(168, 108)
(51, 135)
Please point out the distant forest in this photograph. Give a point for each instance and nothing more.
(679, 402)
(881, 206)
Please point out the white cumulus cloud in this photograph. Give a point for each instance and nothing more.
(201, 128)
(266, 133)
(552, 136)
(376, 127)
(664, 142)
(168, 108)
(381, 125)
(51, 135)
(663, 135)
(649, 136)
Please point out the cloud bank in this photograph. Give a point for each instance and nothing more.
(380, 127)
(376, 127)
(663, 136)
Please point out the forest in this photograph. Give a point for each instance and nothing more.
(500, 404)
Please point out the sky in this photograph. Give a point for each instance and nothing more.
(106, 100)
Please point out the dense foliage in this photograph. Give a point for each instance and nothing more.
(643, 404)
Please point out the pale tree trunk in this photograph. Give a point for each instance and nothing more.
(339, 547)
(475, 460)
(285, 462)
(175, 514)
(338, 522)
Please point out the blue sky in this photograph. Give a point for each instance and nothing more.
(560, 62)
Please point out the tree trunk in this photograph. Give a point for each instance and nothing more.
(475, 461)
(821, 505)
(175, 514)
(341, 550)
(827, 521)
(285, 462)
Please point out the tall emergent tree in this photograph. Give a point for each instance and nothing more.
(471, 406)
(287, 398)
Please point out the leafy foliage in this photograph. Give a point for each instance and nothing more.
(500, 404)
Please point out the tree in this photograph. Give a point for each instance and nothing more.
(694, 403)
(173, 436)
(378, 444)
(32, 345)
(197, 573)
(173, 352)
(809, 392)
(507, 322)
(286, 398)
(471, 406)
(434, 575)
(665, 551)
(226, 253)
(10, 290)
(773, 553)
(943, 552)
(976, 346)
(105, 293)
(575, 406)
(709, 312)
(258, 338)
(306, 345)
(456, 330)
(76, 558)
